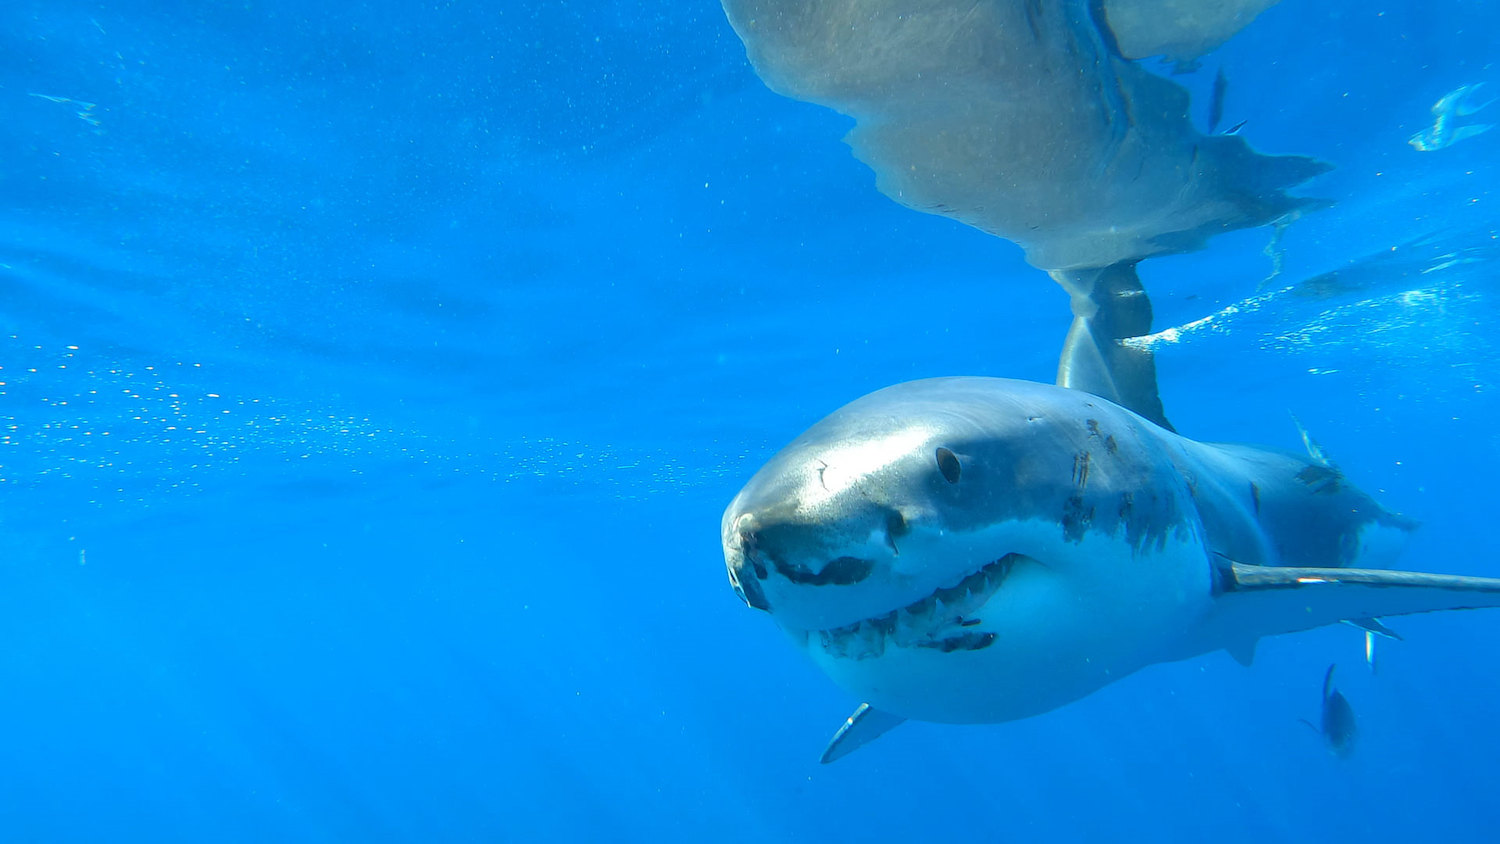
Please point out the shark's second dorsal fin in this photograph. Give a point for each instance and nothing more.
(864, 726)
(1315, 450)
(1110, 305)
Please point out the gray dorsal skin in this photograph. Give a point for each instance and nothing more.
(864, 726)
(980, 550)
(1110, 305)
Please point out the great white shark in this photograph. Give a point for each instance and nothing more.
(978, 550)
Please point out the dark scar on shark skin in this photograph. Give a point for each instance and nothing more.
(962, 642)
(1081, 469)
(1076, 518)
(749, 544)
(1109, 439)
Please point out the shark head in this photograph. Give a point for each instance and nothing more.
(969, 549)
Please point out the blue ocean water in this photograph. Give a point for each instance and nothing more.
(375, 376)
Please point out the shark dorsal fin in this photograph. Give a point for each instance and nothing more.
(1110, 305)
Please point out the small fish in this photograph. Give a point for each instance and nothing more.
(1235, 129)
(1216, 101)
(1445, 131)
(1339, 726)
(1370, 650)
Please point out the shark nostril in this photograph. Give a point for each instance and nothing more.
(750, 550)
(749, 591)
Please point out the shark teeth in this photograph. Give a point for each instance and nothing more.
(938, 621)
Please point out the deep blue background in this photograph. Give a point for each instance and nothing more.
(419, 348)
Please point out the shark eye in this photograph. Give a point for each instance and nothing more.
(947, 463)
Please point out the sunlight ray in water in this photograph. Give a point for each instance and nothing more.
(98, 431)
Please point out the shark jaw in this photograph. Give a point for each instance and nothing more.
(1002, 621)
(946, 620)
(1032, 630)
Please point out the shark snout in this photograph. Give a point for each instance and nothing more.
(747, 567)
(775, 564)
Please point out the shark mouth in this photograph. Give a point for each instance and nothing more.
(939, 621)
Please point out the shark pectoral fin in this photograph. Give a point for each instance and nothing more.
(1243, 651)
(864, 726)
(1269, 600)
(1373, 625)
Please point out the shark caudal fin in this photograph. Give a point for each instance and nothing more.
(1110, 305)
(1254, 601)
(864, 726)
